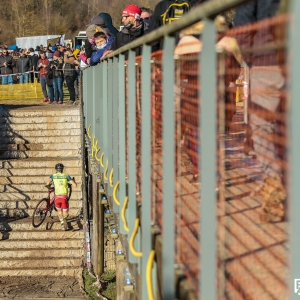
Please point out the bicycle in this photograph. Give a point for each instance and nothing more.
(47, 205)
(43, 207)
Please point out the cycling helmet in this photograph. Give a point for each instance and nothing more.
(59, 167)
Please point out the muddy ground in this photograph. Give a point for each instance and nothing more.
(41, 287)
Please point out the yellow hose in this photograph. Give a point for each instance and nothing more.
(88, 131)
(106, 170)
(111, 177)
(123, 215)
(115, 193)
(101, 160)
(131, 241)
(97, 159)
(149, 275)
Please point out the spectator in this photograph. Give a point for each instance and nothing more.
(266, 87)
(134, 27)
(23, 66)
(103, 42)
(42, 67)
(94, 26)
(146, 15)
(70, 73)
(6, 67)
(108, 25)
(56, 67)
(34, 57)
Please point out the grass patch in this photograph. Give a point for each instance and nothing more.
(109, 287)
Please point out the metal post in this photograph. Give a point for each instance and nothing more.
(88, 100)
(207, 162)
(104, 114)
(115, 126)
(122, 135)
(146, 164)
(131, 216)
(168, 274)
(294, 204)
(97, 104)
(100, 105)
(110, 118)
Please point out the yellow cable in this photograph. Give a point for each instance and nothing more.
(115, 193)
(123, 215)
(111, 177)
(97, 159)
(149, 275)
(106, 170)
(131, 241)
(101, 160)
(88, 131)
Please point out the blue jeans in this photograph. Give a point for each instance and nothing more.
(43, 82)
(23, 78)
(51, 93)
(57, 85)
(7, 79)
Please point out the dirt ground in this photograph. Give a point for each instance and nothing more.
(40, 287)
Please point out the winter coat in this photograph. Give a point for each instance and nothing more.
(10, 64)
(125, 36)
(55, 68)
(96, 56)
(89, 48)
(34, 61)
(43, 70)
(109, 27)
(23, 64)
(250, 13)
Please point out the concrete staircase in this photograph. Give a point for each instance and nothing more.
(32, 140)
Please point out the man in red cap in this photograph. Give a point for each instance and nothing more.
(134, 27)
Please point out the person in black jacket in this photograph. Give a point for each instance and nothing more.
(6, 67)
(134, 27)
(23, 66)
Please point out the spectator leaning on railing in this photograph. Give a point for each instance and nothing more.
(23, 65)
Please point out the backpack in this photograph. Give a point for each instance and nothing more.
(175, 11)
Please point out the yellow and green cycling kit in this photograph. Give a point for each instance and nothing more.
(60, 181)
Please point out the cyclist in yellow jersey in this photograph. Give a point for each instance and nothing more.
(60, 181)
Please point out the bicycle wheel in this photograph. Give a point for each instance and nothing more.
(40, 213)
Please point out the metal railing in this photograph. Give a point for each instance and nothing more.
(149, 118)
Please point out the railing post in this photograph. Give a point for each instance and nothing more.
(122, 135)
(168, 272)
(131, 216)
(146, 164)
(104, 114)
(110, 120)
(89, 98)
(115, 126)
(294, 164)
(207, 161)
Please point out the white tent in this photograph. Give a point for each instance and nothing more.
(33, 41)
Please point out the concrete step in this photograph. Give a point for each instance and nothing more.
(30, 204)
(45, 162)
(39, 111)
(41, 179)
(40, 147)
(28, 212)
(43, 235)
(44, 153)
(61, 271)
(28, 188)
(38, 253)
(24, 134)
(41, 244)
(40, 139)
(39, 126)
(36, 120)
(75, 224)
(13, 195)
(38, 171)
(38, 263)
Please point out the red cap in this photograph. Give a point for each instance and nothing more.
(132, 10)
(56, 53)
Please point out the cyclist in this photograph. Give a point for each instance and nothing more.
(60, 181)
